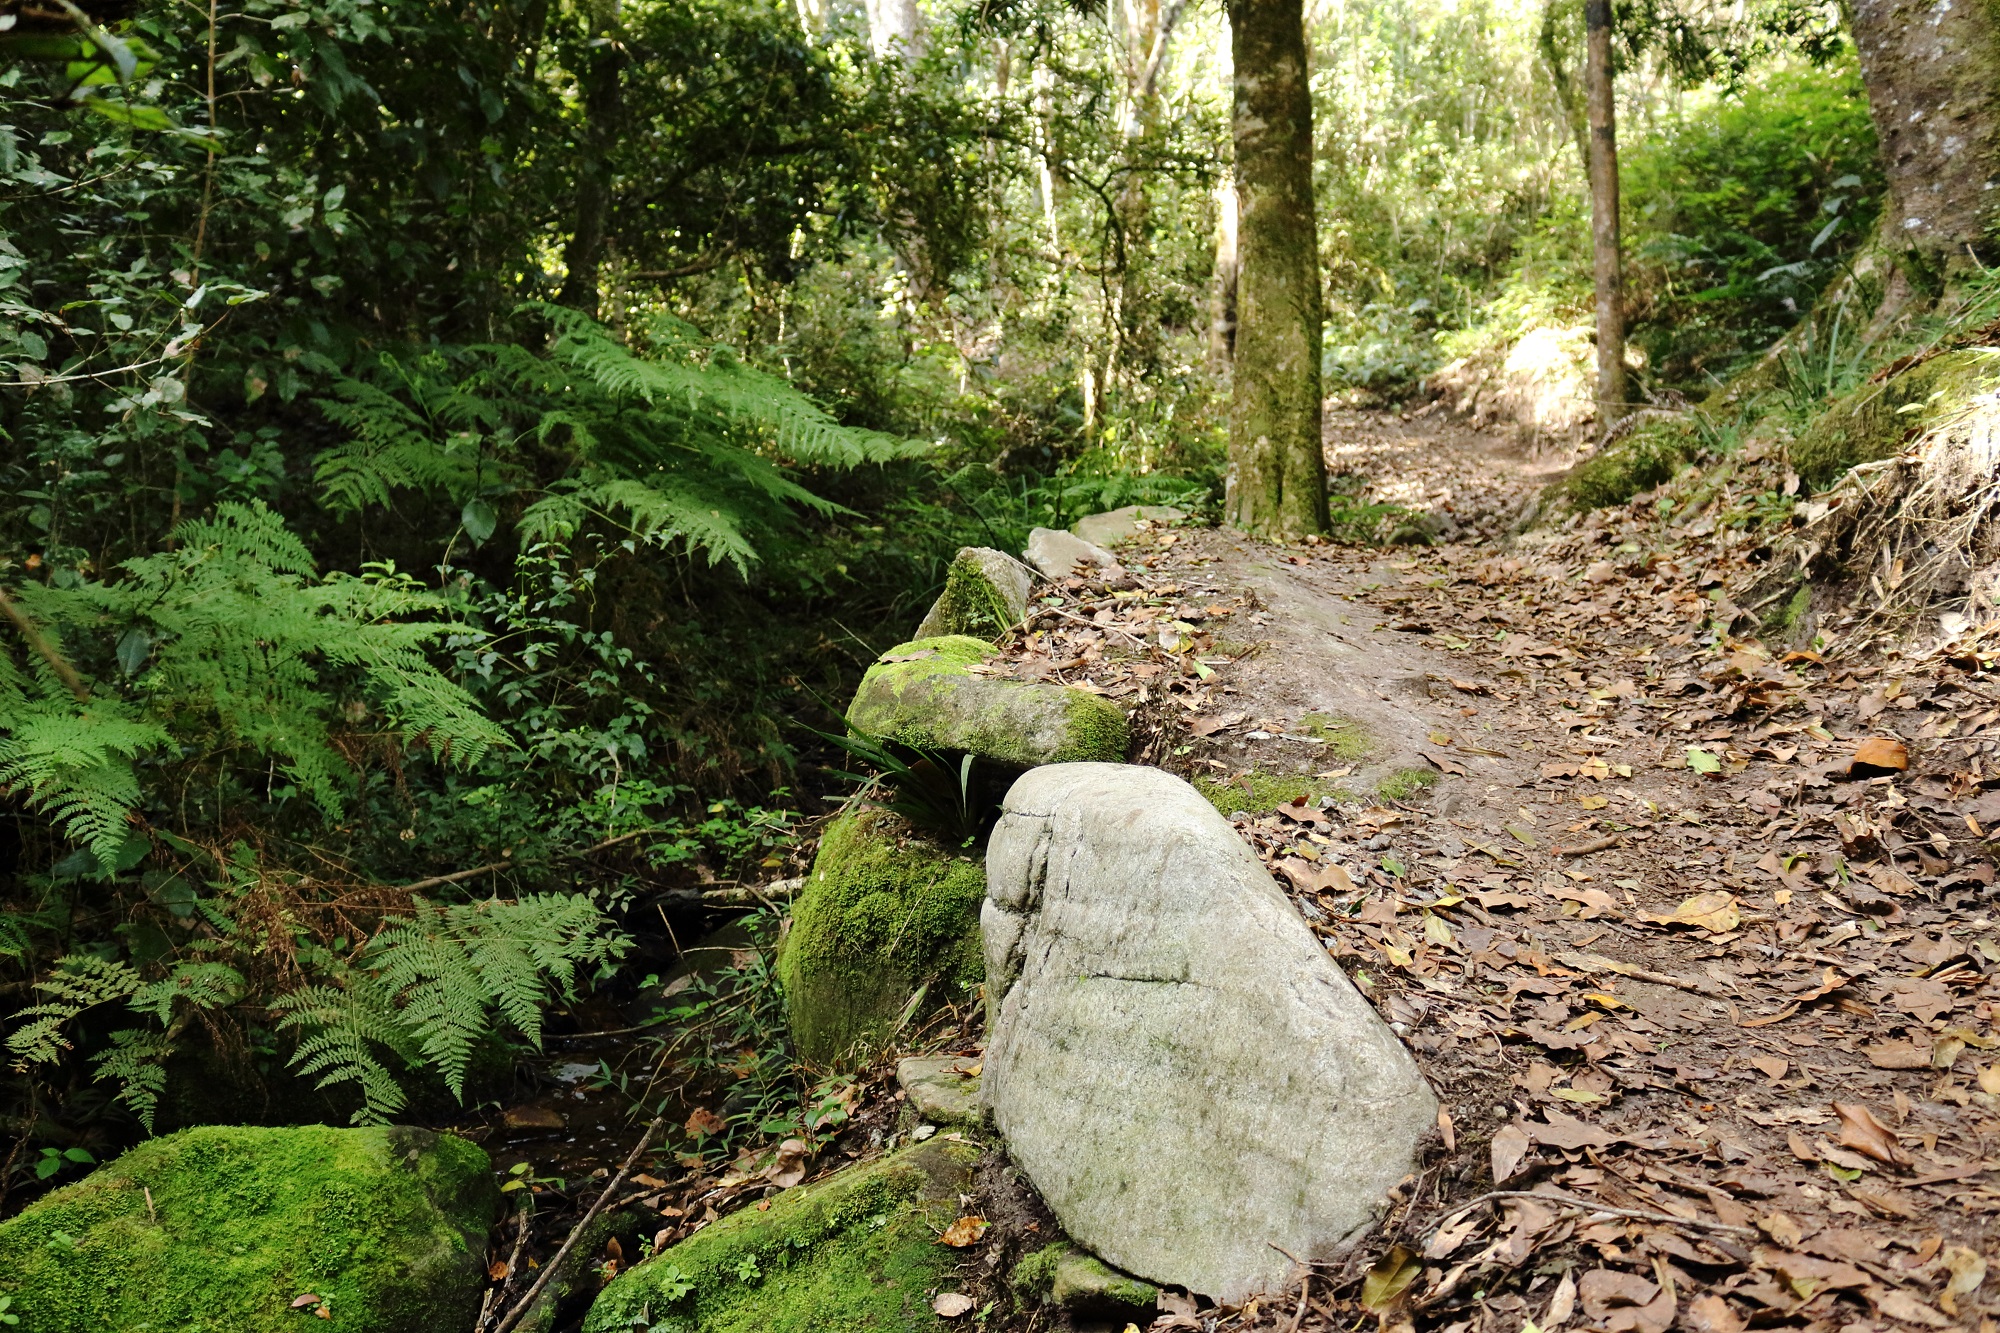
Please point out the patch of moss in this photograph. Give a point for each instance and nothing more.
(921, 694)
(387, 1226)
(1875, 420)
(1405, 783)
(1651, 454)
(1036, 1273)
(1259, 793)
(883, 913)
(856, 1251)
(971, 605)
(1345, 738)
(1790, 613)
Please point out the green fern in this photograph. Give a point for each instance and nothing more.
(78, 983)
(431, 987)
(137, 1062)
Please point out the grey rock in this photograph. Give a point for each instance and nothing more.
(1057, 553)
(1174, 1062)
(985, 595)
(931, 694)
(939, 1089)
(1115, 525)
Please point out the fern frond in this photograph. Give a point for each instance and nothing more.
(202, 985)
(655, 514)
(75, 762)
(79, 982)
(137, 1062)
(342, 1027)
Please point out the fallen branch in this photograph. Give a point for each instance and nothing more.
(496, 1297)
(1592, 1206)
(549, 1270)
(438, 881)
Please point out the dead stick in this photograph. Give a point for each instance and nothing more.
(1591, 1205)
(1305, 1294)
(496, 1297)
(36, 640)
(521, 1307)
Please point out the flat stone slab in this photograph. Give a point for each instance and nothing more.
(985, 595)
(1173, 1060)
(931, 694)
(1057, 553)
(1113, 526)
(939, 1088)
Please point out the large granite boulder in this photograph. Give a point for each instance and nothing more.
(885, 914)
(1173, 1060)
(855, 1251)
(932, 694)
(223, 1229)
(985, 595)
(1059, 554)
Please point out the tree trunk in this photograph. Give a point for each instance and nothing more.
(1604, 241)
(603, 106)
(1932, 71)
(1276, 482)
(1222, 287)
(895, 27)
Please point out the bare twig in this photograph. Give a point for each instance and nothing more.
(496, 1297)
(610, 1190)
(436, 881)
(1592, 1206)
(40, 643)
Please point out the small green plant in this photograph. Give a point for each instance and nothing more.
(937, 791)
(6, 1306)
(54, 1160)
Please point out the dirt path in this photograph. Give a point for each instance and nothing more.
(1611, 869)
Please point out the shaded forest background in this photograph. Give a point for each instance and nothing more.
(454, 453)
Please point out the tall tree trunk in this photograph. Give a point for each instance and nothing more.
(603, 107)
(1222, 287)
(1604, 242)
(1276, 482)
(1932, 71)
(895, 27)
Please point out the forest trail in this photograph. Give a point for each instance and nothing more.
(1666, 947)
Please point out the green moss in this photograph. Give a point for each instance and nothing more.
(1345, 738)
(1651, 454)
(921, 694)
(1874, 421)
(1262, 792)
(1035, 1274)
(1790, 613)
(388, 1226)
(883, 913)
(1405, 783)
(856, 1251)
(970, 605)
(1066, 1276)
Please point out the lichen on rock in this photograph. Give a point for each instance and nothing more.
(885, 913)
(925, 694)
(857, 1250)
(220, 1229)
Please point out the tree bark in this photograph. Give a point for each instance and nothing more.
(1276, 480)
(1608, 259)
(603, 107)
(1932, 72)
(895, 27)
(1222, 287)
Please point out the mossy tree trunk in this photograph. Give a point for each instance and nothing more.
(1932, 72)
(1606, 253)
(1276, 484)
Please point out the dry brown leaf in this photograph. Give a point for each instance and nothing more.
(1709, 1313)
(1624, 1302)
(1863, 1132)
(1388, 1279)
(952, 1304)
(1714, 911)
(1901, 1305)
(1561, 1305)
(1510, 1145)
(965, 1231)
(1968, 1269)
(788, 1168)
(703, 1123)
(1881, 754)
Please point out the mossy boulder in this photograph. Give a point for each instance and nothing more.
(1654, 452)
(985, 595)
(884, 914)
(929, 693)
(856, 1251)
(1875, 420)
(1061, 1274)
(221, 1229)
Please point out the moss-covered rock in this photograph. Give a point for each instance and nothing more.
(220, 1229)
(1651, 454)
(884, 913)
(985, 595)
(856, 1251)
(1061, 1274)
(926, 694)
(1875, 420)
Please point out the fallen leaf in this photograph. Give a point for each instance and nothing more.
(1879, 754)
(301, 1302)
(1709, 1313)
(1714, 910)
(1561, 1305)
(1624, 1302)
(703, 1123)
(952, 1304)
(1510, 1145)
(965, 1231)
(1771, 1066)
(1701, 761)
(1902, 1305)
(788, 1168)
(1861, 1131)
(532, 1117)
(495, 1272)
(1967, 1269)
(1389, 1279)
(1782, 1227)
